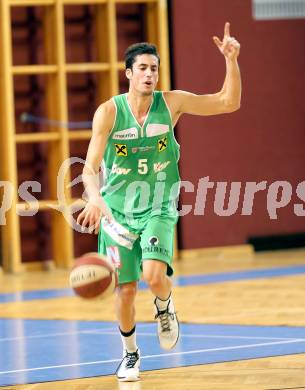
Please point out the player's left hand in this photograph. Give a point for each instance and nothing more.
(229, 46)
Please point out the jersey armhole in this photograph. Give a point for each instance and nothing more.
(169, 111)
(170, 115)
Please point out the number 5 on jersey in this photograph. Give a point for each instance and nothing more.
(142, 166)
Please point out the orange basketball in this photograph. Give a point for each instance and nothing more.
(93, 276)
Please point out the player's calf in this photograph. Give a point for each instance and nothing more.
(129, 368)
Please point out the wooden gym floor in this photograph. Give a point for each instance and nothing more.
(228, 292)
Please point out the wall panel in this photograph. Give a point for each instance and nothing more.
(264, 140)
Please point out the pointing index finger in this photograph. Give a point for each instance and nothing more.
(227, 29)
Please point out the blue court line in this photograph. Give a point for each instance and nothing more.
(239, 275)
(20, 296)
(77, 349)
(188, 280)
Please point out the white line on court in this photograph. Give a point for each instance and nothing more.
(37, 336)
(111, 331)
(208, 336)
(154, 356)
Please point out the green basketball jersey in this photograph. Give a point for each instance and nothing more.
(141, 173)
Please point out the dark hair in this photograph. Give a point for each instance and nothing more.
(137, 49)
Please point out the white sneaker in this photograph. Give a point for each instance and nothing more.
(128, 370)
(168, 325)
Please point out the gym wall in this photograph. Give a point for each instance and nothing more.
(263, 141)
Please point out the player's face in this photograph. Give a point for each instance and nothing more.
(144, 74)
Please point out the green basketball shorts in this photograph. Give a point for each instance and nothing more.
(128, 244)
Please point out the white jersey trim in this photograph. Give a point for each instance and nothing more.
(116, 112)
(153, 129)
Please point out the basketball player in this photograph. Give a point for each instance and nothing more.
(134, 211)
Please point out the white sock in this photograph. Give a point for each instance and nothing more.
(162, 304)
(129, 340)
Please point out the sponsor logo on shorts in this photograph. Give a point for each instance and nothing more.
(142, 149)
(162, 144)
(121, 150)
(156, 249)
(158, 167)
(153, 240)
(119, 233)
(114, 255)
(126, 134)
(119, 170)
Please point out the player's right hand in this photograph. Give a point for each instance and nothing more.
(92, 214)
(229, 46)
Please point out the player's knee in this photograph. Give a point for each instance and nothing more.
(127, 293)
(154, 280)
(154, 273)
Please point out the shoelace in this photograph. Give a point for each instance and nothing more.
(164, 319)
(131, 358)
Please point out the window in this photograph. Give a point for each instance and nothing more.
(278, 9)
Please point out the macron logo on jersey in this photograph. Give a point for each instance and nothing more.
(131, 133)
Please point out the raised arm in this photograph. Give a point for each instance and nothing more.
(226, 100)
(95, 208)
